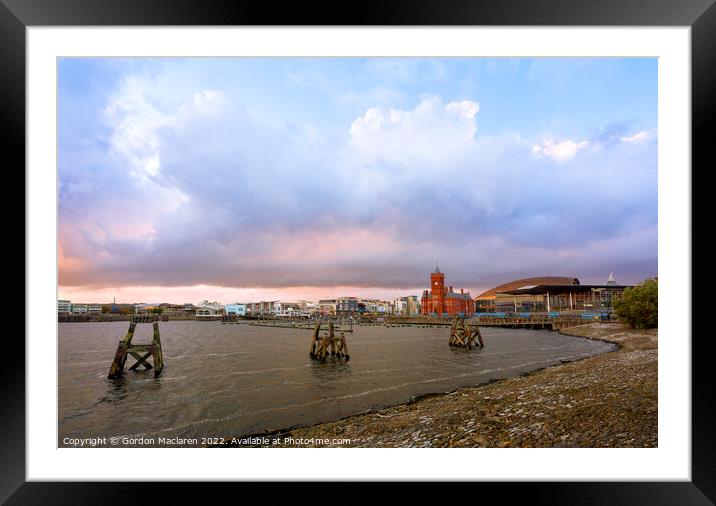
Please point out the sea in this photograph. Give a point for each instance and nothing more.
(230, 380)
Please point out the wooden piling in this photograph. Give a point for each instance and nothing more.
(141, 352)
(328, 343)
(478, 334)
(464, 335)
(157, 351)
(314, 340)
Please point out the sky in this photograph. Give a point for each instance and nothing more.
(246, 179)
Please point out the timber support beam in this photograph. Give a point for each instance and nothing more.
(141, 352)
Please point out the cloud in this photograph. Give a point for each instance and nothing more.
(637, 137)
(559, 151)
(431, 131)
(189, 188)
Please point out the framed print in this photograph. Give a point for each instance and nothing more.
(436, 233)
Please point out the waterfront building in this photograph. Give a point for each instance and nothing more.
(216, 307)
(307, 308)
(266, 307)
(412, 305)
(327, 307)
(572, 296)
(94, 309)
(64, 307)
(443, 300)
(400, 306)
(347, 305)
(286, 309)
(263, 308)
(79, 308)
(236, 309)
(375, 306)
(406, 306)
(485, 302)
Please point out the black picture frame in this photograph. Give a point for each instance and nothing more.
(700, 15)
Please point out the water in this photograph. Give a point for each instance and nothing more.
(224, 380)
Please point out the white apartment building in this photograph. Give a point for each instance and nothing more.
(216, 307)
(64, 307)
(378, 306)
(400, 306)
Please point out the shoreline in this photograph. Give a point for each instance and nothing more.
(587, 402)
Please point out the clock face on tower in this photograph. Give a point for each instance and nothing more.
(436, 283)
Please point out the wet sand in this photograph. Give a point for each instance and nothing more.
(608, 400)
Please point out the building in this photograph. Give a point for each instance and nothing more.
(286, 309)
(80, 308)
(64, 307)
(216, 307)
(549, 297)
(406, 306)
(377, 307)
(263, 308)
(327, 307)
(413, 305)
(485, 302)
(443, 300)
(347, 305)
(94, 309)
(400, 306)
(307, 308)
(236, 309)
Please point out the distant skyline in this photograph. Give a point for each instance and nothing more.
(303, 178)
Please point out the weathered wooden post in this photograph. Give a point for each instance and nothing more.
(320, 344)
(120, 357)
(314, 341)
(453, 329)
(141, 352)
(463, 335)
(478, 334)
(331, 338)
(457, 333)
(343, 348)
(157, 351)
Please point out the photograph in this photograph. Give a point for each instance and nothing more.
(397, 243)
(357, 251)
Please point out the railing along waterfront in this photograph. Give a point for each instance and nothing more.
(541, 321)
(339, 325)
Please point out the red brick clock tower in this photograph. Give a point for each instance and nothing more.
(437, 291)
(441, 299)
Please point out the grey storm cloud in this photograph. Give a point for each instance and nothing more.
(209, 195)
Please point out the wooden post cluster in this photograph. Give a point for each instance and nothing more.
(141, 352)
(321, 343)
(464, 335)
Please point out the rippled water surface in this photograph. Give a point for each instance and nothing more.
(231, 379)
